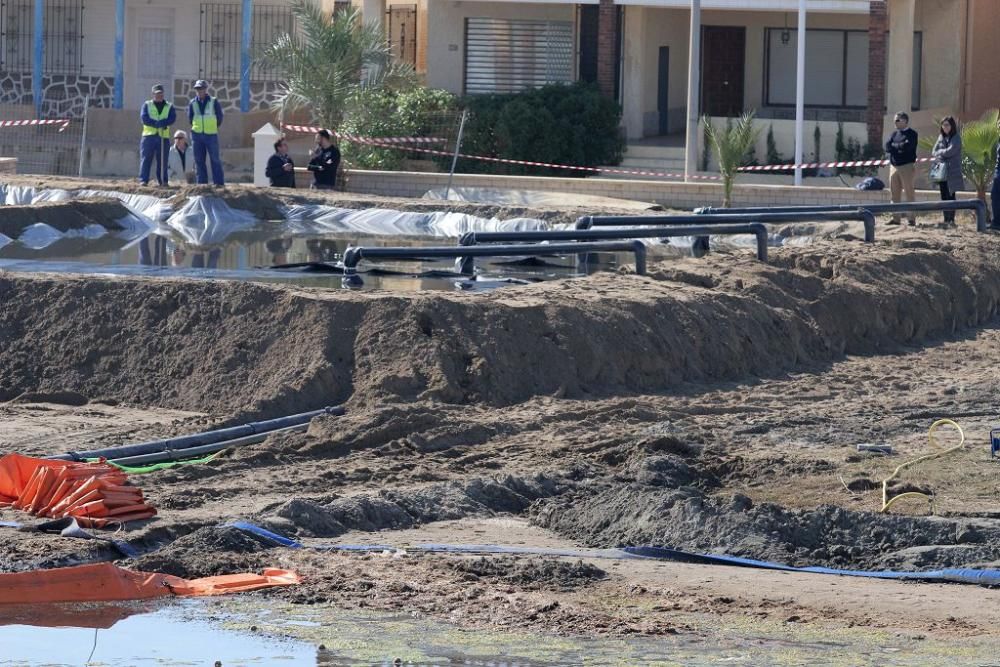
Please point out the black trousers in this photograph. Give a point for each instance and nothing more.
(947, 195)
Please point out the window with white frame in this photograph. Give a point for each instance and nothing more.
(836, 68)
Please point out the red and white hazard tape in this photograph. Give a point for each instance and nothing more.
(824, 165)
(380, 141)
(23, 123)
(308, 129)
(393, 142)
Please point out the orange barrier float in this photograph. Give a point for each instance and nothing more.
(96, 494)
(105, 582)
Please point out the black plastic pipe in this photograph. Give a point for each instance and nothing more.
(197, 439)
(862, 214)
(169, 455)
(979, 207)
(464, 254)
(757, 229)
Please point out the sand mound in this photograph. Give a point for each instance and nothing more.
(253, 349)
(685, 518)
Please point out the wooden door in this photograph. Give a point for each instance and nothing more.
(723, 58)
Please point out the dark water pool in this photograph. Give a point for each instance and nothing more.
(312, 261)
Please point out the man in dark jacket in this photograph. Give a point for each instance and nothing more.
(280, 168)
(902, 150)
(325, 161)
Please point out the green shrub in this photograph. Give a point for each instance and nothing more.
(851, 150)
(418, 112)
(561, 124)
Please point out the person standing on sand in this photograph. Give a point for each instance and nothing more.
(948, 151)
(280, 168)
(325, 161)
(179, 161)
(902, 150)
(205, 116)
(157, 115)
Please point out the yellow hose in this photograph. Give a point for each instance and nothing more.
(886, 501)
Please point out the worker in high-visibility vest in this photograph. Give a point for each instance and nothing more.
(157, 116)
(205, 114)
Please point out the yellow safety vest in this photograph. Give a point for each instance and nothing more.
(149, 130)
(205, 123)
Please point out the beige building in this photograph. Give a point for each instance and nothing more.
(865, 58)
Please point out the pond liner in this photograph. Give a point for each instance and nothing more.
(106, 582)
(979, 577)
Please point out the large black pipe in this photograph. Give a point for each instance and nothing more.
(757, 229)
(864, 215)
(169, 455)
(197, 439)
(974, 205)
(465, 254)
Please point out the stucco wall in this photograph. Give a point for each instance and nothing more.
(784, 138)
(941, 24)
(983, 72)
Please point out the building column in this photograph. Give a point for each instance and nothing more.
(38, 59)
(899, 90)
(120, 54)
(878, 26)
(607, 38)
(245, 41)
(633, 95)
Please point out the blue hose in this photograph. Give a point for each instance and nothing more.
(953, 575)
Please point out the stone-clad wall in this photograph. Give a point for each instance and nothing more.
(228, 93)
(64, 94)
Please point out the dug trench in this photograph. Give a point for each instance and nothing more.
(708, 406)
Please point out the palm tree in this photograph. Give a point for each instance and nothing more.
(731, 146)
(330, 63)
(979, 144)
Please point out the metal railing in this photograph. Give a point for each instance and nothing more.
(220, 39)
(465, 255)
(975, 205)
(62, 30)
(758, 230)
(725, 218)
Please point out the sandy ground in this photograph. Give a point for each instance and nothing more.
(715, 405)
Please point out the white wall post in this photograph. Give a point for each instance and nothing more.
(263, 149)
(694, 85)
(800, 91)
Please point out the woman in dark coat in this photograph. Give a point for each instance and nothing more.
(948, 150)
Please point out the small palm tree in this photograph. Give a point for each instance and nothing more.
(331, 62)
(979, 143)
(731, 146)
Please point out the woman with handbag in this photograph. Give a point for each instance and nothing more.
(947, 168)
